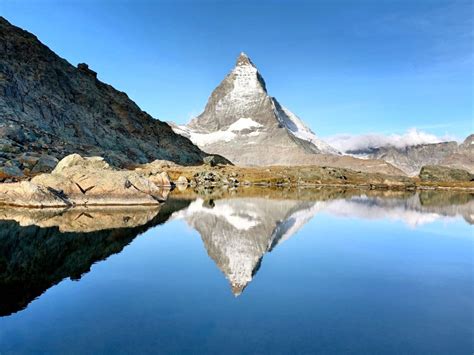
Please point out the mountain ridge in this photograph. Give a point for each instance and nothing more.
(412, 158)
(49, 107)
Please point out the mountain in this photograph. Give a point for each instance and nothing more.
(410, 159)
(48, 106)
(249, 127)
(238, 232)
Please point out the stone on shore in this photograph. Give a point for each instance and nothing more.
(86, 181)
(182, 180)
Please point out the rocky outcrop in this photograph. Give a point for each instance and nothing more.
(242, 122)
(443, 173)
(86, 181)
(49, 107)
(463, 157)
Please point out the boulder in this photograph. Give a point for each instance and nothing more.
(182, 180)
(10, 171)
(75, 160)
(213, 160)
(86, 181)
(209, 178)
(437, 173)
(28, 160)
(29, 194)
(160, 179)
(44, 164)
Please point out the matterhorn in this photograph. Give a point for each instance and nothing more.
(243, 123)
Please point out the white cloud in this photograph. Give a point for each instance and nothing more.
(346, 142)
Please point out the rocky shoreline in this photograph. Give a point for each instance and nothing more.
(91, 181)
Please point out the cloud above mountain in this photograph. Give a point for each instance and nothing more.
(413, 136)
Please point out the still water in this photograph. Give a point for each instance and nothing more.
(260, 271)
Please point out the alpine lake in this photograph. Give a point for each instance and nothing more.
(243, 271)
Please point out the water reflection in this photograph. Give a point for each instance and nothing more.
(39, 248)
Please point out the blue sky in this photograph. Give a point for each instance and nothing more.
(342, 66)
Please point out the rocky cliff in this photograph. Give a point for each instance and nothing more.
(49, 107)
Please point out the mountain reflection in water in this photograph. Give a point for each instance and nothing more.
(39, 248)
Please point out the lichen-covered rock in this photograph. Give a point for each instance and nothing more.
(437, 173)
(75, 160)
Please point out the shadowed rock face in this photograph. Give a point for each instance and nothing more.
(47, 106)
(40, 248)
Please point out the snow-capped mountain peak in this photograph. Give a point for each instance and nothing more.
(241, 121)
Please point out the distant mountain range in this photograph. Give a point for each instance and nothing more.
(410, 159)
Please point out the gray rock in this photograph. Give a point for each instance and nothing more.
(45, 164)
(213, 160)
(10, 172)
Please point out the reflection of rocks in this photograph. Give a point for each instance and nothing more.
(35, 257)
(421, 208)
(81, 219)
(238, 232)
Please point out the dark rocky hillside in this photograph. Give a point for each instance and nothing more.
(49, 107)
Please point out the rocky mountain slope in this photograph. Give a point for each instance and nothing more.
(249, 127)
(410, 159)
(48, 106)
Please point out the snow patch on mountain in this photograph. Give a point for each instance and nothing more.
(296, 127)
(243, 123)
(289, 227)
(240, 221)
(227, 135)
